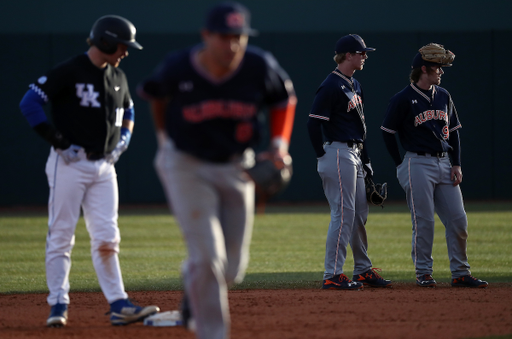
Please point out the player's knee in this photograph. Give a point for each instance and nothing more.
(59, 248)
(459, 225)
(213, 268)
(106, 249)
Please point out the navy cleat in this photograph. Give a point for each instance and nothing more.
(425, 280)
(372, 278)
(58, 316)
(469, 281)
(341, 282)
(186, 314)
(123, 312)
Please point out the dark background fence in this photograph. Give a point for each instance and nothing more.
(301, 34)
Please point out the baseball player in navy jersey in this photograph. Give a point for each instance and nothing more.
(424, 116)
(93, 119)
(337, 131)
(206, 102)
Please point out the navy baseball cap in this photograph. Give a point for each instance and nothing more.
(351, 43)
(230, 18)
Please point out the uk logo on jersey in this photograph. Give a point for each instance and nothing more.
(89, 97)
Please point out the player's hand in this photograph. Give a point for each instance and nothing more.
(368, 170)
(116, 153)
(281, 157)
(69, 154)
(456, 175)
(161, 138)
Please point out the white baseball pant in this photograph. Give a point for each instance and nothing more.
(91, 185)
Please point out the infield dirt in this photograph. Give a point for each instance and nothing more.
(404, 311)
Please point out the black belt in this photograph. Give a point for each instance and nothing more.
(93, 156)
(434, 154)
(350, 144)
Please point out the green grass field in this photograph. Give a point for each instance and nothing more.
(287, 249)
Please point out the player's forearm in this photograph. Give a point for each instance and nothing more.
(281, 120)
(454, 141)
(158, 112)
(128, 124)
(365, 156)
(127, 127)
(315, 136)
(392, 147)
(32, 108)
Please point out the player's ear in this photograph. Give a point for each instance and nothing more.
(424, 69)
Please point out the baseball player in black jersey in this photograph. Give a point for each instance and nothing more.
(337, 131)
(424, 116)
(206, 103)
(93, 119)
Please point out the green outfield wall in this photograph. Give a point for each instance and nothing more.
(301, 34)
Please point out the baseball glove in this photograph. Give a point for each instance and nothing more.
(436, 53)
(376, 194)
(270, 175)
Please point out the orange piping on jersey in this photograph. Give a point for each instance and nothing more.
(281, 120)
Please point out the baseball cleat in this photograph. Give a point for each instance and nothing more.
(341, 282)
(469, 281)
(372, 278)
(58, 316)
(186, 315)
(425, 280)
(123, 312)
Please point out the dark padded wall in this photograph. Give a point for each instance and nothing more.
(478, 82)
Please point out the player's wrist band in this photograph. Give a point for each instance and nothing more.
(129, 114)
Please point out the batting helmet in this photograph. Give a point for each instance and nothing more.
(110, 30)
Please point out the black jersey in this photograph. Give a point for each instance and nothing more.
(88, 103)
(423, 119)
(211, 119)
(339, 103)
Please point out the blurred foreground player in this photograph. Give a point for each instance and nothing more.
(206, 103)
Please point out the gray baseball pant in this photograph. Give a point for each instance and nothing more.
(343, 181)
(214, 206)
(428, 189)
